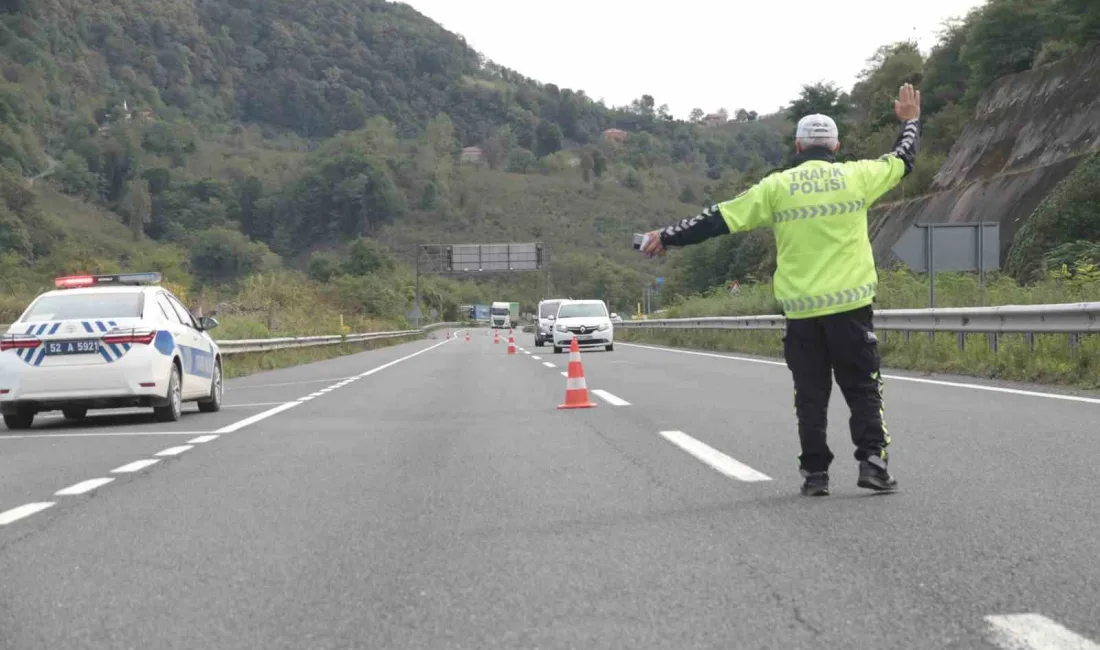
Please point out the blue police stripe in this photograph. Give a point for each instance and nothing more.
(87, 327)
(53, 330)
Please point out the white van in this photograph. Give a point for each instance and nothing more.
(544, 320)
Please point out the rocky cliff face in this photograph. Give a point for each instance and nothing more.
(1029, 132)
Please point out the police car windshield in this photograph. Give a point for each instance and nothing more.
(76, 306)
(548, 309)
(592, 309)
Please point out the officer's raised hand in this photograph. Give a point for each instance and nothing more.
(907, 105)
(653, 246)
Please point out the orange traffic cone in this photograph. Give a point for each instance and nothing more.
(496, 337)
(511, 343)
(576, 390)
(448, 334)
(467, 337)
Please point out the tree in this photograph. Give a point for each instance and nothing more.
(1004, 38)
(547, 138)
(696, 116)
(890, 67)
(724, 114)
(820, 97)
(137, 206)
(742, 115)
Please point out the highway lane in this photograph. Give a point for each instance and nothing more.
(443, 501)
(56, 453)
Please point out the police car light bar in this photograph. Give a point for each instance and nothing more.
(75, 281)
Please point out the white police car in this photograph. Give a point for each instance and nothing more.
(107, 341)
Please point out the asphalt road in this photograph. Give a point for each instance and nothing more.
(431, 495)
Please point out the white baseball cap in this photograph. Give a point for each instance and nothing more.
(816, 127)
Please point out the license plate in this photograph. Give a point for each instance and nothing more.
(584, 337)
(86, 346)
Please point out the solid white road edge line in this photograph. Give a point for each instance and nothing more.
(936, 382)
(609, 398)
(15, 514)
(174, 451)
(1034, 632)
(289, 405)
(83, 486)
(201, 439)
(135, 466)
(714, 458)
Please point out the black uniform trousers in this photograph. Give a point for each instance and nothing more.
(845, 345)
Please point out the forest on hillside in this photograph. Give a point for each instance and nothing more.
(228, 138)
(1001, 37)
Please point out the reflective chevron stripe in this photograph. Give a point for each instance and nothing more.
(835, 299)
(813, 211)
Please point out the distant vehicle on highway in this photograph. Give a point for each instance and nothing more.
(107, 341)
(544, 320)
(503, 315)
(588, 320)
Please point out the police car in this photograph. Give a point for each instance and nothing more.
(107, 341)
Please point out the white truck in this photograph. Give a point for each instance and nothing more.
(500, 315)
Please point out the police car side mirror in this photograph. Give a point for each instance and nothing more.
(551, 317)
(614, 315)
(207, 323)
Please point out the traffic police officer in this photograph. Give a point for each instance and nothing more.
(825, 280)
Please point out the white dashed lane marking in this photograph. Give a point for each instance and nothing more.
(714, 458)
(537, 358)
(135, 466)
(548, 364)
(1034, 632)
(83, 487)
(174, 451)
(609, 398)
(15, 514)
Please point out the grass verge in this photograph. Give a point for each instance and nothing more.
(1053, 361)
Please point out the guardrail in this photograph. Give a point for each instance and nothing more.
(1074, 319)
(290, 342)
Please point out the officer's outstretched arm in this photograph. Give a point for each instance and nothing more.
(879, 176)
(746, 211)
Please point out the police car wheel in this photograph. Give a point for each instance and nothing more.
(611, 348)
(173, 410)
(213, 403)
(74, 413)
(20, 420)
(557, 350)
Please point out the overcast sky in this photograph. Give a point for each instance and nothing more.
(711, 54)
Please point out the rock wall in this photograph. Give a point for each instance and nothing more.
(1029, 131)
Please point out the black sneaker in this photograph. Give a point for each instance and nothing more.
(873, 475)
(816, 484)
